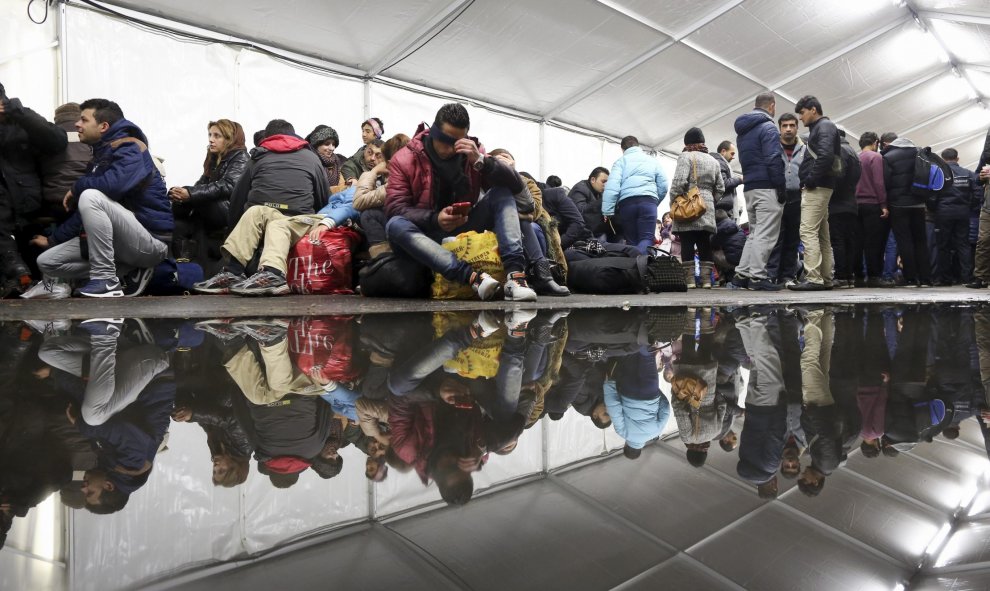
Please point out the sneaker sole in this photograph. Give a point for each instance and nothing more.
(267, 291)
(117, 293)
(212, 290)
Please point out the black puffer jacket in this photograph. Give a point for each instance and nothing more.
(816, 171)
(226, 173)
(730, 239)
(843, 199)
(25, 137)
(589, 203)
(898, 174)
(570, 222)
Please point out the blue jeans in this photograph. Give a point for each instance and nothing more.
(533, 246)
(496, 212)
(637, 221)
(890, 258)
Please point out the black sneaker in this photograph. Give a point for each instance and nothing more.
(977, 284)
(764, 285)
(262, 283)
(809, 286)
(136, 282)
(880, 282)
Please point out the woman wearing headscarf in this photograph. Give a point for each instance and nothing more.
(324, 141)
(202, 208)
(696, 167)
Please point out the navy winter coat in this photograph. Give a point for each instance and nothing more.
(963, 198)
(759, 148)
(570, 222)
(730, 239)
(122, 170)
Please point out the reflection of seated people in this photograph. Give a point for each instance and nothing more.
(230, 449)
(289, 425)
(123, 397)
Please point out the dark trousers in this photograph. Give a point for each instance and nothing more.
(783, 263)
(194, 222)
(908, 224)
(699, 238)
(373, 224)
(873, 231)
(637, 220)
(953, 235)
(844, 230)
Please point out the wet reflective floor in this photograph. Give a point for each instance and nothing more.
(812, 447)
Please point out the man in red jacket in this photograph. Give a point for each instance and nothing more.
(434, 191)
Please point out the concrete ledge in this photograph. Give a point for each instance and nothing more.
(202, 306)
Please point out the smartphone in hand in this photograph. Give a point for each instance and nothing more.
(461, 208)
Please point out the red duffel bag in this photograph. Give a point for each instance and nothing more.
(324, 346)
(323, 266)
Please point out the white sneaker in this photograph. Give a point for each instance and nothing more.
(48, 289)
(516, 289)
(484, 285)
(487, 323)
(49, 328)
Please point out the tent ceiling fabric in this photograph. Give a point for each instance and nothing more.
(649, 67)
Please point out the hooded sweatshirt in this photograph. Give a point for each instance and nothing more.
(285, 174)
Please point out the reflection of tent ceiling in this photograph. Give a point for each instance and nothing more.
(653, 67)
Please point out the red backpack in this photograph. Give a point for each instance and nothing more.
(324, 266)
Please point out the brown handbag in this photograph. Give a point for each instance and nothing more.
(689, 389)
(689, 206)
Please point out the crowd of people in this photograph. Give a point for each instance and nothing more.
(85, 209)
(789, 391)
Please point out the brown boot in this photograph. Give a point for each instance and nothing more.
(688, 267)
(375, 250)
(706, 275)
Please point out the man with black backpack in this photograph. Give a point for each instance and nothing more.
(952, 209)
(821, 167)
(907, 211)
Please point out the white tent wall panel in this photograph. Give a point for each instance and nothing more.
(170, 88)
(969, 44)
(527, 55)
(657, 99)
(29, 57)
(272, 89)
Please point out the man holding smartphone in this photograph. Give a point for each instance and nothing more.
(434, 191)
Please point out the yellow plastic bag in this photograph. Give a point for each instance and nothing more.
(478, 250)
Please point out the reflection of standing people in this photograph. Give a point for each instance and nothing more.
(638, 409)
(818, 406)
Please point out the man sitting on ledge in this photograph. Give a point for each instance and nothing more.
(442, 167)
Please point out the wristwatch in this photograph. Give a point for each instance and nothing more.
(479, 163)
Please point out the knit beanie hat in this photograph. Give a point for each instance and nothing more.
(694, 136)
(67, 113)
(321, 135)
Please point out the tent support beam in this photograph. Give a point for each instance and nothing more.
(601, 83)
(803, 72)
(424, 32)
(956, 18)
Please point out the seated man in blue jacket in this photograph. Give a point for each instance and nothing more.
(121, 205)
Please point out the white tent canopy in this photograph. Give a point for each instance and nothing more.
(544, 70)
